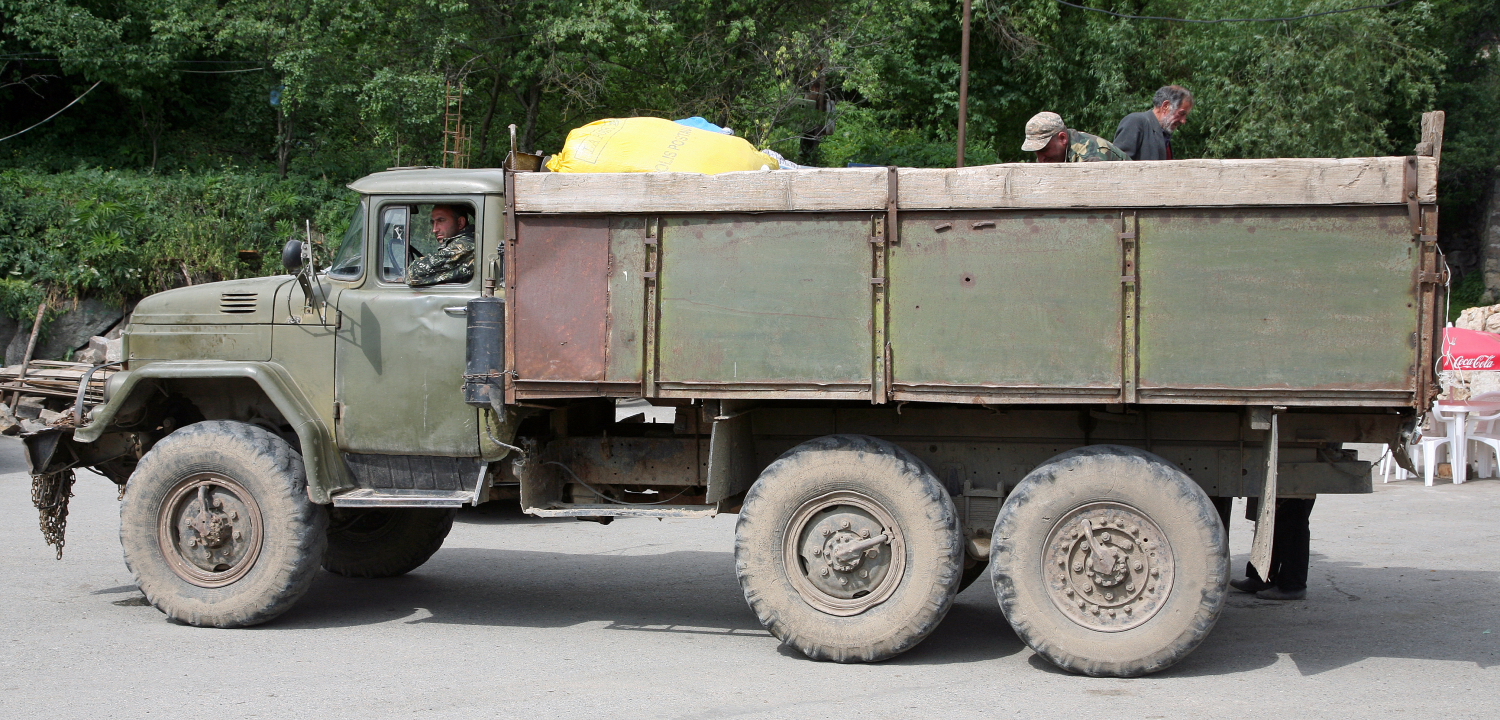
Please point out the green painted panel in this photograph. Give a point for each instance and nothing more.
(399, 358)
(1024, 299)
(766, 298)
(1277, 298)
(200, 342)
(627, 299)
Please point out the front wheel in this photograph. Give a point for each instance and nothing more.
(849, 549)
(217, 527)
(1110, 561)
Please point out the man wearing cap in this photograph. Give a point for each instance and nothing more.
(1053, 141)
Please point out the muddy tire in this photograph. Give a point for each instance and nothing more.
(849, 549)
(1110, 561)
(217, 527)
(384, 542)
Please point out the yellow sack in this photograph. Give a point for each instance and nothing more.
(645, 144)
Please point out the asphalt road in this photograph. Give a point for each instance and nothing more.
(519, 617)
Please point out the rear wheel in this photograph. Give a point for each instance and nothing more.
(849, 549)
(217, 527)
(384, 542)
(1110, 561)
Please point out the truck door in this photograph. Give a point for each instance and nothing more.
(399, 356)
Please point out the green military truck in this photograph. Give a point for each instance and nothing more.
(901, 380)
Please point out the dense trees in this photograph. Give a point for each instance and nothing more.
(330, 89)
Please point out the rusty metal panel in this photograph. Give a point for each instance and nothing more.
(561, 297)
(766, 299)
(627, 298)
(991, 301)
(1264, 303)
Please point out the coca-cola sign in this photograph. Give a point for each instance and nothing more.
(1477, 362)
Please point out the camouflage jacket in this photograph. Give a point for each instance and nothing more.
(452, 262)
(1083, 147)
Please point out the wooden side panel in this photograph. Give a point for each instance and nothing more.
(561, 298)
(1184, 183)
(989, 303)
(772, 301)
(1252, 303)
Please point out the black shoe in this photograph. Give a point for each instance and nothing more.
(1280, 594)
(1249, 585)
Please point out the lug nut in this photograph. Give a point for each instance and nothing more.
(864, 573)
(865, 533)
(844, 525)
(239, 535)
(817, 553)
(825, 572)
(827, 532)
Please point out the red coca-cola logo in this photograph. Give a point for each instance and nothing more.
(1478, 362)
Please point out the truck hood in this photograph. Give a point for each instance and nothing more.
(232, 302)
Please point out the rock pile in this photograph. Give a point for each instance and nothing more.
(1466, 384)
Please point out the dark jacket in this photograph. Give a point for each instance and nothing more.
(1142, 137)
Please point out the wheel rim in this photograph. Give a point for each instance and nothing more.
(209, 530)
(1124, 589)
(844, 553)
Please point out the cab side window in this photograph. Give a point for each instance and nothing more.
(427, 244)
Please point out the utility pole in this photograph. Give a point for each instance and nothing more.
(963, 84)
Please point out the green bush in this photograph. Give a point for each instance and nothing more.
(121, 235)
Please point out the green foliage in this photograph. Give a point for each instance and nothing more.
(1468, 292)
(122, 235)
(295, 97)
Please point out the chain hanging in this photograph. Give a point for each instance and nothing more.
(50, 493)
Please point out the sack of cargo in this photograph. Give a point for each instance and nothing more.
(646, 144)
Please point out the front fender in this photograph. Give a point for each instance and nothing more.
(325, 468)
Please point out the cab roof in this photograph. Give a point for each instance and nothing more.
(432, 181)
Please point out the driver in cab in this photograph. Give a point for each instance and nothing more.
(453, 261)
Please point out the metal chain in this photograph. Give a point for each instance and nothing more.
(50, 493)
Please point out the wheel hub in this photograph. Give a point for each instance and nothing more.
(1108, 566)
(209, 530)
(844, 553)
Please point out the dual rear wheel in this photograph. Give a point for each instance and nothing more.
(1106, 560)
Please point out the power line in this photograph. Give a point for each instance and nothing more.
(59, 112)
(1229, 20)
(220, 72)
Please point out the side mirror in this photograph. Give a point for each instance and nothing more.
(291, 255)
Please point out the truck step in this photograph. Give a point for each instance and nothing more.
(365, 497)
(656, 511)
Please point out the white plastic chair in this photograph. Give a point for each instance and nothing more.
(1427, 447)
(1482, 431)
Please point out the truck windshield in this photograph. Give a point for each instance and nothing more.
(349, 261)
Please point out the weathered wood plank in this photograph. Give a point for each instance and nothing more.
(779, 191)
(1188, 183)
(1197, 183)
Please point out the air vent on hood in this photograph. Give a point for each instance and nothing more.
(237, 303)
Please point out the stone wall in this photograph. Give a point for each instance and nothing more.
(1489, 241)
(66, 332)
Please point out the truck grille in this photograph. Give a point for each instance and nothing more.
(237, 303)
